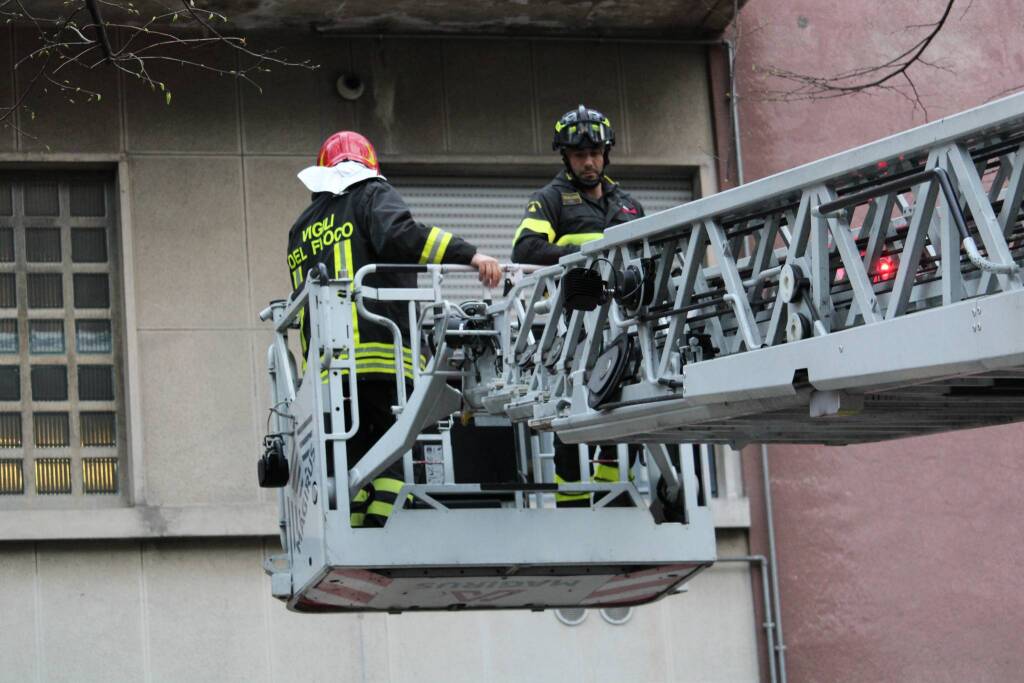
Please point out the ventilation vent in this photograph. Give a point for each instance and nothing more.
(571, 616)
(617, 615)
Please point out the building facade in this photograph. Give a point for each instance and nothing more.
(895, 559)
(141, 241)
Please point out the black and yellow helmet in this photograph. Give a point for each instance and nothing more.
(583, 127)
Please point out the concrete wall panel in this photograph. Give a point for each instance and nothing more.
(667, 109)
(595, 86)
(283, 116)
(190, 266)
(199, 437)
(729, 638)
(65, 120)
(334, 55)
(329, 648)
(19, 619)
(90, 609)
(893, 557)
(402, 110)
(274, 199)
(203, 112)
(7, 133)
(204, 603)
(200, 610)
(489, 89)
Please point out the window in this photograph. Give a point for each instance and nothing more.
(61, 388)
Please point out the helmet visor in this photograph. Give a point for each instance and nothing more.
(589, 133)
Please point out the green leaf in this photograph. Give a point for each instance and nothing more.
(167, 97)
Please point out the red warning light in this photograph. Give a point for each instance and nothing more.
(883, 165)
(885, 269)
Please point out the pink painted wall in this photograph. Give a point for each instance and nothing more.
(898, 561)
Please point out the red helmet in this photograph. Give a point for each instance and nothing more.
(347, 145)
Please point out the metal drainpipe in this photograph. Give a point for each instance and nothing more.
(734, 110)
(769, 621)
(773, 615)
(780, 647)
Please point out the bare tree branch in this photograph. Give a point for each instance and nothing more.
(890, 76)
(81, 37)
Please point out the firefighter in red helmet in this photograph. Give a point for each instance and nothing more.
(356, 218)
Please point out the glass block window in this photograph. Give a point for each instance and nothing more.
(92, 291)
(10, 430)
(93, 336)
(95, 383)
(98, 429)
(49, 383)
(42, 245)
(88, 245)
(61, 411)
(12, 478)
(53, 476)
(6, 245)
(45, 336)
(99, 475)
(10, 383)
(45, 290)
(41, 197)
(8, 290)
(8, 335)
(51, 430)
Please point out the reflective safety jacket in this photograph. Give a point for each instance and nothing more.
(369, 223)
(560, 217)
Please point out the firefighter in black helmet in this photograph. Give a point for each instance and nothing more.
(580, 201)
(571, 210)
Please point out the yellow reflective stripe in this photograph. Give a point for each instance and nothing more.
(375, 369)
(384, 346)
(302, 338)
(295, 278)
(388, 484)
(356, 519)
(559, 496)
(380, 508)
(350, 273)
(578, 238)
(429, 246)
(337, 262)
(382, 356)
(444, 246)
(608, 473)
(562, 497)
(535, 225)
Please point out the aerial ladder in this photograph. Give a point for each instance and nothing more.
(871, 295)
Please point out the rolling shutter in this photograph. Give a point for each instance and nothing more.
(486, 211)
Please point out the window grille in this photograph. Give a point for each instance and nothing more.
(61, 380)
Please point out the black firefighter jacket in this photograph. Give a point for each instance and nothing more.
(559, 218)
(369, 223)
